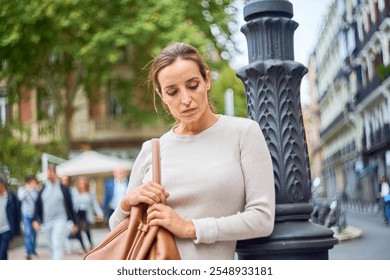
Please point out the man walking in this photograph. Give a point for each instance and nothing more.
(28, 195)
(114, 190)
(54, 209)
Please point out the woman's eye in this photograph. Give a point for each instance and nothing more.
(193, 86)
(171, 93)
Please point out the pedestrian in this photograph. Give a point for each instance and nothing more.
(10, 216)
(384, 190)
(217, 176)
(114, 190)
(87, 208)
(54, 209)
(27, 195)
(67, 181)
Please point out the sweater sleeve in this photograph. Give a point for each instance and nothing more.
(257, 217)
(139, 169)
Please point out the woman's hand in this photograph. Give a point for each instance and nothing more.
(149, 193)
(162, 215)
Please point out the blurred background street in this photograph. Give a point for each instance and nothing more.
(73, 94)
(370, 244)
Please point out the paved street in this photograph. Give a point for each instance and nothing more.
(74, 253)
(373, 244)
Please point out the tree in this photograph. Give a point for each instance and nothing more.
(227, 79)
(63, 46)
(17, 155)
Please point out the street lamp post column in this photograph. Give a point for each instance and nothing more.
(272, 82)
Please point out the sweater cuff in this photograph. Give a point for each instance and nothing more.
(117, 217)
(206, 230)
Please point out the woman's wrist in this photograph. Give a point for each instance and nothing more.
(125, 205)
(190, 230)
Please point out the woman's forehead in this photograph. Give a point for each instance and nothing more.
(180, 70)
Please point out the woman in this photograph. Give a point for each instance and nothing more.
(217, 176)
(10, 216)
(86, 207)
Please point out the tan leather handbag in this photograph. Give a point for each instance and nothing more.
(133, 238)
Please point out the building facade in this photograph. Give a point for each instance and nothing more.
(94, 126)
(351, 90)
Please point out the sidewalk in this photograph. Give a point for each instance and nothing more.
(349, 233)
(18, 252)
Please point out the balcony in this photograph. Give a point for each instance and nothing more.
(362, 93)
(379, 140)
(98, 130)
(335, 123)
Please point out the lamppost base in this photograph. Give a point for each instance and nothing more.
(291, 240)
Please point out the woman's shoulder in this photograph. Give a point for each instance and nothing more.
(240, 123)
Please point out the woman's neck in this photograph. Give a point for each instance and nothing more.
(196, 127)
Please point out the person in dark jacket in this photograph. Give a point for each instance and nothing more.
(10, 216)
(114, 189)
(54, 209)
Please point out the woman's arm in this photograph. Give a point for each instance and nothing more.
(257, 217)
(137, 191)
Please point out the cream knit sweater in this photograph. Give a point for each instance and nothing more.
(221, 179)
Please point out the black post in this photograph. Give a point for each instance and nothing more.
(272, 82)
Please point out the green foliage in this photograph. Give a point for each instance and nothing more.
(16, 153)
(383, 71)
(62, 45)
(227, 79)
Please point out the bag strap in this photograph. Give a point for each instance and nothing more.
(140, 210)
(156, 166)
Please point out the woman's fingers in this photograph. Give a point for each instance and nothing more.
(154, 192)
(162, 215)
(149, 193)
(157, 213)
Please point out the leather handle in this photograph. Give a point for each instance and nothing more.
(140, 209)
(156, 167)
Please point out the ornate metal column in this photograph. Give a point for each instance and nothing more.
(272, 82)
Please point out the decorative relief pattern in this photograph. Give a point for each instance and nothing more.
(270, 38)
(273, 100)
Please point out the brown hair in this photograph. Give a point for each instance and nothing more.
(168, 56)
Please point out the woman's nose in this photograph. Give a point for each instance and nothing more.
(186, 98)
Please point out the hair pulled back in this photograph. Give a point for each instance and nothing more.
(168, 56)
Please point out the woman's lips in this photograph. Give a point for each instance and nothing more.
(188, 111)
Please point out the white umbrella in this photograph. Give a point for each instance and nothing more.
(92, 162)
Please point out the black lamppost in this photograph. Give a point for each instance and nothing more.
(272, 82)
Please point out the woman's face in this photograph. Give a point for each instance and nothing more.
(184, 90)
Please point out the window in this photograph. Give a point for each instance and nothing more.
(3, 103)
(351, 42)
(378, 60)
(115, 108)
(360, 29)
(367, 22)
(341, 7)
(45, 107)
(375, 11)
(343, 52)
(381, 4)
